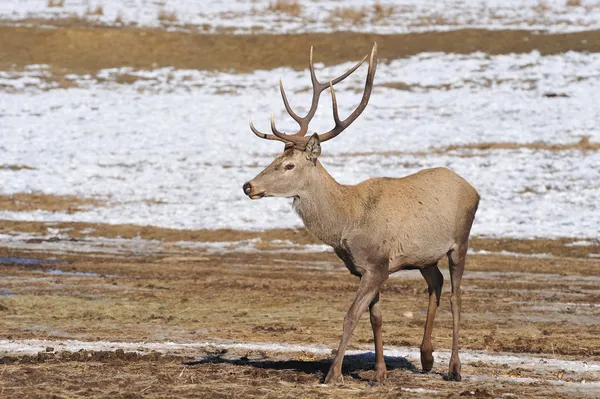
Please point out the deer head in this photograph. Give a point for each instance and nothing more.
(292, 170)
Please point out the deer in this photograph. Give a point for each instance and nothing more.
(377, 227)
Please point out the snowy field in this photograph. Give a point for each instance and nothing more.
(273, 16)
(173, 148)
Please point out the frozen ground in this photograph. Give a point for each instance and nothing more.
(539, 367)
(33, 346)
(319, 16)
(174, 148)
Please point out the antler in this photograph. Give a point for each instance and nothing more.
(298, 139)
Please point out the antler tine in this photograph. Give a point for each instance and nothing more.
(347, 73)
(287, 104)
(318, 88)
(261, 134)
(341, 125)
(277, 133)
(298, 139)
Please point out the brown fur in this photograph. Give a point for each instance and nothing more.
(378, 227)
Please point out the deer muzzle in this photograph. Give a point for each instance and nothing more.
(251, 191)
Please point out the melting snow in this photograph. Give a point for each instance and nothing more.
(174, 149)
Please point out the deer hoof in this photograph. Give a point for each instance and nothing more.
(427, 362)
(453, 375)
(379, 379)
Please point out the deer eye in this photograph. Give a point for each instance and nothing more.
(289, 166)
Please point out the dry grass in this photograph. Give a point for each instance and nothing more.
(433, 19)
(542, 7)
(16, 168)
(382, 11)
(166, 16)
(22, 202)
(95, 11)
(347, 14)
(300, 236)
(573, 3)
(67, 48)
(379, 12)
(290, 7)
(584, 144)
(119, 19)
(55, 3)
(262, 297)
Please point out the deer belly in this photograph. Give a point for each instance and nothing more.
(417, 256)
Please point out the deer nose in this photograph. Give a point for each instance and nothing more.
(247, 188)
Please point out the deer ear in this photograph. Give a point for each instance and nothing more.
(313, 148)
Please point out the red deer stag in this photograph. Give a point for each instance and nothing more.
(377, 227)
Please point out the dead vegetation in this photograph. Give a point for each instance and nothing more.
(347, 14)
(95, 11)
(262, 297)
(23, 202)
(166, 16)
(16, 168)
(382, 11)
(290, 7)
(119, 19)
(584, 144)
(241, 375)
(78, 230)
(55, 3)
(67, 49)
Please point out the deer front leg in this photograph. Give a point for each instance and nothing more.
(376, 322)
(367, 290)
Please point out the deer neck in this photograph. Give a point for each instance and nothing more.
(326, 207)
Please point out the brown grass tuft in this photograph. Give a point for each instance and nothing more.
(347, 14)
(25, 202)
(119, 19)
(98, 10)
(542, 7)
(16, 168)
(291, 7)
(382, 11)
(584, 144)
(167, 16)
(573, 3)
(55, 3)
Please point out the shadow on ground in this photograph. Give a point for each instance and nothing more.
(352, 364)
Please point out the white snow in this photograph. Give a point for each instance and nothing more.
(137, 245)
(239, 16)
(582, 243)
(174, 149)
(509, 253)
(252, 245)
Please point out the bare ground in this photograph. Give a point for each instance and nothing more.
(86, 49)
(518, 304)
(24, 202)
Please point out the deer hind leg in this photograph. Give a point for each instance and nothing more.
(456, 260)
(435, 281)
(370, 284)
(376, 322)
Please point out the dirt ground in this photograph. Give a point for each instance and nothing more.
(85, 49)
(516, 302)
